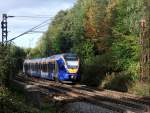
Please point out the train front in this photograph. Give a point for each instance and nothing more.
(72, 66)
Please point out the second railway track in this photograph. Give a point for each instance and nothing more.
(112, 100)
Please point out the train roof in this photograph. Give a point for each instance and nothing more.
(54, 57)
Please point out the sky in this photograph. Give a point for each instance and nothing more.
(46, 9)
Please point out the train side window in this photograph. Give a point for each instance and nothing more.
(36, 67)
(43, 67)
(33, 67)
(47, 67)
(51, 67)
(39, 67)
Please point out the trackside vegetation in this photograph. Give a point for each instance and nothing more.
(11, 99)
(105, 34)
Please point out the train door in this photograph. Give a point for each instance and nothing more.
(56, 70)
(50, 70)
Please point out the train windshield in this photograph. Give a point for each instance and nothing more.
(70, 57)
(71, 60)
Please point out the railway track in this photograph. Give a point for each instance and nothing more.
(111, 100)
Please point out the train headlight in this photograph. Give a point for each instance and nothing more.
(72, 70)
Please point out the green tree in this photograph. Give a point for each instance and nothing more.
(11, 59)
(104, 33)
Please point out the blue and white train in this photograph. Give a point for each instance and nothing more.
(62, 67)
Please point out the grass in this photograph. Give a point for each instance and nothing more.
(124, 83)
(13, 101)
(140, 88)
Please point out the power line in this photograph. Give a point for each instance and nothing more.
(30, 30)
(33, 31)
(40, 26)
(35, 16)
(36, 32)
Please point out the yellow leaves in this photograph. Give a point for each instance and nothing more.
(90, 22)
(111, 7)
(98, 21)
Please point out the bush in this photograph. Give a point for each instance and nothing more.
(11, 103)
(93, 75)
(11, 59)
(95, 71)
(140, 88)
(120, 82)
